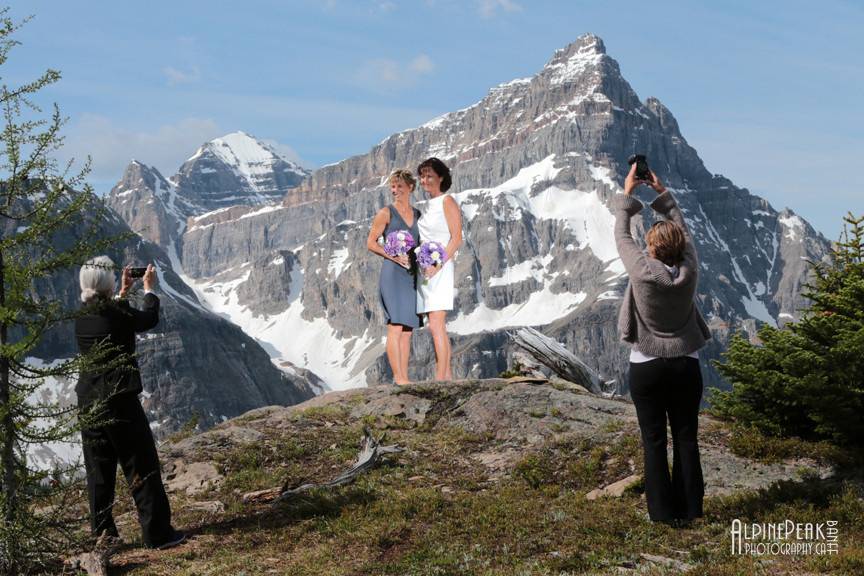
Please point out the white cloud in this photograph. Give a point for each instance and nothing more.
(422, 64)
(112, 146)
(386, 6)
(489, 8)
(386, 75)
(176, 76)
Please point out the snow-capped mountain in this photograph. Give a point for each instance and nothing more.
(234, 170)
(535, 165)
(194, 363)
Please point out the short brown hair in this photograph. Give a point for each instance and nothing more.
(403, 175)
(666, 240)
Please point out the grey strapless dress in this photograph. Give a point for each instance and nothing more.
(398, 286)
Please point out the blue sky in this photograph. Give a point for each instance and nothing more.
(769, 93)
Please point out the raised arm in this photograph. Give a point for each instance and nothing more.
(666, 205)
(625, 207)
(148, 316)
(631, 254)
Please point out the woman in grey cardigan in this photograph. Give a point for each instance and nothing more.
(660, 322)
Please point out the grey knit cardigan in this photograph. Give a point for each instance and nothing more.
(658, 315)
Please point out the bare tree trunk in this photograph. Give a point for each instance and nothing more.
(7, 451)
(560, 360)
(371, 452)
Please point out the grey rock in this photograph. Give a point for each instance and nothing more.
(405, 406)
(207, 507)
(616, 489)
(191, 477)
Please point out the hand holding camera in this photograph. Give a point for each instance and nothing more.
(641, 174)
(132, 273)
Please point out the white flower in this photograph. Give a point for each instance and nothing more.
(400, 236)
(436, 255)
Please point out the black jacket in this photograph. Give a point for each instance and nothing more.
(117, 321)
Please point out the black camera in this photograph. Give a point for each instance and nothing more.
(642, 170)
(137, 272)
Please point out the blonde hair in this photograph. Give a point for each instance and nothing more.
(97, 278)
(665, 241)
(403, 175)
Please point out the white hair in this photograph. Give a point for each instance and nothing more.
(97, 278)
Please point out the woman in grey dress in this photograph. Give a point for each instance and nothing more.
(398, 283)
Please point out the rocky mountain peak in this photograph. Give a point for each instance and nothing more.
(236, 169)
(578, 62)
(245, 154)
(586, 46)
(138, 176)
(147, 202)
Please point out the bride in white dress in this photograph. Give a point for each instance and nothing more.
(442, 222)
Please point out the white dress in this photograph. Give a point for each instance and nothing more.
(438, 293)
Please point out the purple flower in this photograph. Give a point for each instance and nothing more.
(398, 243)
(431, 254)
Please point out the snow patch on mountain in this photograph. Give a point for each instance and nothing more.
(793, 225)
(562, 69)
(541, 307)
(246, 155)
(536, 268)
(289, 336)
(584, 212)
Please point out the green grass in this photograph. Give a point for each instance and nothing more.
(751, 443)
(434, 509)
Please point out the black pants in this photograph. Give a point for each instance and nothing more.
(126, 440)
(670, 387)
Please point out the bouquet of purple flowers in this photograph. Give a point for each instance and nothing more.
(398, 243)
(430, 254)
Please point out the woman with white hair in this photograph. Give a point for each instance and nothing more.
(121, 433)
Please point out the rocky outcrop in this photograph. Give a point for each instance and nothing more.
(513, 419)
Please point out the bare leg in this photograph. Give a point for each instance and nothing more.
(441, 341)
(405, 351)
(394, 353)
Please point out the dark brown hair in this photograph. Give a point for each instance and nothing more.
(666, 240)
(440, 169)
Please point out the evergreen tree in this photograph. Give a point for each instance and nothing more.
(49, 224)
(807, 379)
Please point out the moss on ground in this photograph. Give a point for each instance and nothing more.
(436, 509)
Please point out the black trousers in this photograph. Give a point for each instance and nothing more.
(129, 441)
(670, 387)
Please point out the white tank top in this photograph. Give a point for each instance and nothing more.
(433, 223)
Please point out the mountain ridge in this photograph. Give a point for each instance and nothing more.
(535, 163)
